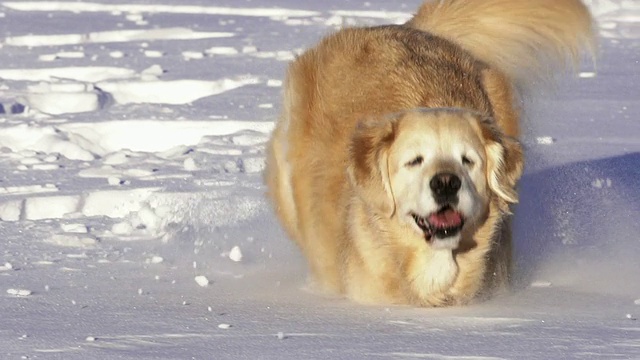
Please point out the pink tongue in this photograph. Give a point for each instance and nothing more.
(445, 219)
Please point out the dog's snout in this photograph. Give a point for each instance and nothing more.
(445, 184)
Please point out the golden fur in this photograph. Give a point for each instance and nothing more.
(371, 115)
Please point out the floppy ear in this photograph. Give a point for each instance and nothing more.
(368, 167)
(505, 163)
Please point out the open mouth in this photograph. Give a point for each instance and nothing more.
(443, 223)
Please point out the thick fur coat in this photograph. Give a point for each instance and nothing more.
(396, 157)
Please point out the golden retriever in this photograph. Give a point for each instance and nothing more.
(396, 158)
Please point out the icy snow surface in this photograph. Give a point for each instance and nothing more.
(131, 149)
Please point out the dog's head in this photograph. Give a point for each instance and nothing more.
(435, 170)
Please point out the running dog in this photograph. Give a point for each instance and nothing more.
(395, 159)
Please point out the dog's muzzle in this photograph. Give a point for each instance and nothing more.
(441, 224)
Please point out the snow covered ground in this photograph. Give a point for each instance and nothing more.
(133, 222)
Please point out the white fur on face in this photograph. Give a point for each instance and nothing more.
(446, 143)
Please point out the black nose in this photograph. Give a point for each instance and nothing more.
(445, 185)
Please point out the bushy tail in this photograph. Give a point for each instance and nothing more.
(528, 40)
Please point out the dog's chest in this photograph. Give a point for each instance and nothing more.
(434, 274)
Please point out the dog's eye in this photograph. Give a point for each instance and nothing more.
(467, 162)
(415, 162)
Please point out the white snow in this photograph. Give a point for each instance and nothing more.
(235, 254)
(175, 92)
(202, 280)
(59, 103)
(540, 284)
(74, 228)
(192, 55)
(587, 74)
(71, 240)
(545, 140)
(112, 37)
(89, 74)
(156, 259)
(190, 164)
(274, 83)
(221, 50)
(132, 140)
(145, 8)
(153, 53)
(19, 292)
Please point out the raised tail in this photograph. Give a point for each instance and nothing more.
(528, 40)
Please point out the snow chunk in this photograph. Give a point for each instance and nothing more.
(116, 158)
(19, 292)
(71, 55)
(220, 50)
(50, 207)
(45, 167)
(192, 55)
(233, 167)
(545, 140)
(89, 74)
(116, 54)
(122, 228)
(175, 92)
(154, 70)
(71, 240)
(249, 50)
(202, 280)
(113, 36)
(47, 57)
(155, 260)
(601, 183)
(10, 210)
(134, 17)
(146, 218)
(587, 74)
(190, 164)
(115, 136)
(235, 254)
(540, 284)
(116, 203)
(51, 158)
(114, 181)
(58, 103)
(153, 53)
(74, 228)
(254, 165)
(46, 139)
